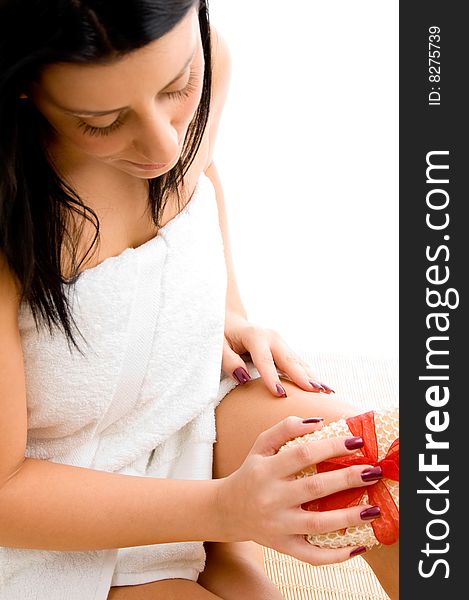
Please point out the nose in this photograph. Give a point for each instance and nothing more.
(156, 138)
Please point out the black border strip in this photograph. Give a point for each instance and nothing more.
(433, 268)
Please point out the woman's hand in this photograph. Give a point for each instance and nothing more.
(268, 352)
(261, 501)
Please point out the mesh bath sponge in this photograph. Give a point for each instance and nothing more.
(380, 432)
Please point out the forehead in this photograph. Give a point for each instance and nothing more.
(155, 65)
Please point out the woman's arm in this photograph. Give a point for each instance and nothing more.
(233, 298)
(263, 346)
(221, 72)
(52, 506)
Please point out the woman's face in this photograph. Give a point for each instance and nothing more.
(131, 114)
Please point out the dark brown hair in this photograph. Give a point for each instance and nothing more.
(35, 203)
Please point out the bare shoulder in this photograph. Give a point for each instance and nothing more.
(221, 74)
(221, 63)
(9, 286)
(13, 412)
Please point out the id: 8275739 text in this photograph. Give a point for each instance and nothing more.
(434, 75)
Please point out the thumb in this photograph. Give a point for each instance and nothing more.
(233, 364)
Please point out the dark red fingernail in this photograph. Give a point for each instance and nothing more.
(313, 420)
(370, 513)
(281, 390)
(327, 389)
(372, 474)
(358, 550)
(241, 375)
(353, 443)
(316, 386)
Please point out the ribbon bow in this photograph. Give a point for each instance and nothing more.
(386, 528)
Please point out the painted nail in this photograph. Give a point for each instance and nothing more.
(372, 474)
(241, 375)
(281, 390)
(313, 420)
(316, 386)
(327, 389)
(370, 513)
(353, 443)
(358, 550)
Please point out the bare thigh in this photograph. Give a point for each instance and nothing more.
(251, 408)
(167, 589)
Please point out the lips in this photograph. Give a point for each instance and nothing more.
(147, 166)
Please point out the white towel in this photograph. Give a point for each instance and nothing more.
(79, 415)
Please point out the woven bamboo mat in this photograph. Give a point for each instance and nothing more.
(368, 383)
(350, 580)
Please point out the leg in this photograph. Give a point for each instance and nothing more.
(232, 571)
(385, 562)
(250, 409)
(236, 570)
(167, 589)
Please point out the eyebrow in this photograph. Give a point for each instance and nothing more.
(99, 113)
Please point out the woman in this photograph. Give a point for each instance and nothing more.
(119, 305)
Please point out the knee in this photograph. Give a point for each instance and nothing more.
(233, 570)
(240, 552)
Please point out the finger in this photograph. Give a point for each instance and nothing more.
(307, 452)
(261, 356)
(233, 365)
(299, 548)
(295, 368)
(319, 485)
(271, 440)
(316, 523)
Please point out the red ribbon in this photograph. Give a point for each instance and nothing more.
(386, 527)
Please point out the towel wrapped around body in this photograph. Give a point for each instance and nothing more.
(139, 401)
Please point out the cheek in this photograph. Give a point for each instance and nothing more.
(97, 145)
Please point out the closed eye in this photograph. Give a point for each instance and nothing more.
(91, 130)
(187, 90)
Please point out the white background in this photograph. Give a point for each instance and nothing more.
(307, 153)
